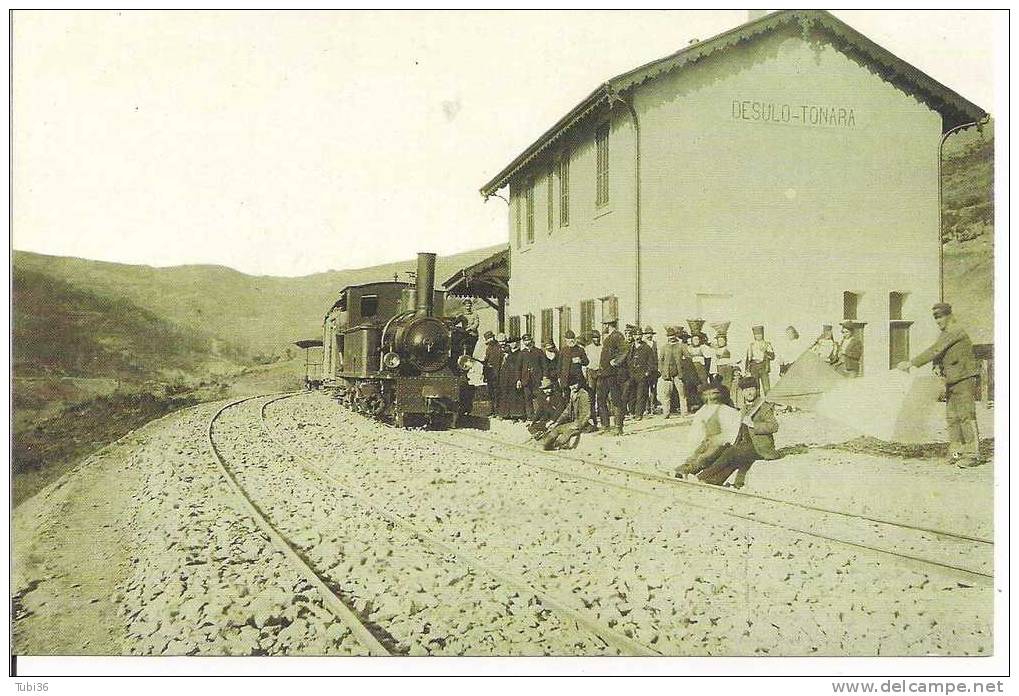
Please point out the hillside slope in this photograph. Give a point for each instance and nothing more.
(261, 314)
(968, 229)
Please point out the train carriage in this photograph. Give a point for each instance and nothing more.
(390, 353)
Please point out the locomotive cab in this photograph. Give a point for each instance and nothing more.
(390, 353)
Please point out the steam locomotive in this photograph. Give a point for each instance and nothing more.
(390, 353)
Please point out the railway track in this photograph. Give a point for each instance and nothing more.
(614, 641)
(331, 599)
(751, 507)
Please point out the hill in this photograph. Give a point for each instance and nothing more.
(257, 314)
(968, 228)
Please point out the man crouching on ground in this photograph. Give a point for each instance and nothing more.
(565, 432)
(755, 439)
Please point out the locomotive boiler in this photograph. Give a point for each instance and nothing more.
(391, 354)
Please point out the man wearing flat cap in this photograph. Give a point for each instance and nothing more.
(652, 385)
(952, 355)
(531, 371)
(470, 322)
(642, 366)
(612, 373)
(755, 440)
(491, 364)
(572, 361)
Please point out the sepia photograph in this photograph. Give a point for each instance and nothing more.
(373, 335)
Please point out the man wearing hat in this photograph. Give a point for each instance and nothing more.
(469, 321)
(641, 364)
(757, 363)
(755, 440)
(532, 369)
(550, 364)
(672, 361)
(572, 361)
(511, 403)
(952, 355)
(491, 365)
(652, 385)
(849, 355)
(611, 373)
(547, 406)
(592, 371)
(565, 431)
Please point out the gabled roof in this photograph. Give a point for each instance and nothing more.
(954, 109)
(488, 278)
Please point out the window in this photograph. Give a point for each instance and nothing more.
(550, 180)
(609, 308)
(602, 165)
(564, 324)
(514, 327)
(850, 305)
(898, 330)
(529, 325)
(369, 305)
(586, 317)
(896, 300)
(546, 326)
(516, 219)
(564, 189)
(530, 212)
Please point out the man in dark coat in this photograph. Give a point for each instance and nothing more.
(953, 358)
(511, 393)
(550, 365)
(491, 365)
(611, 375)
(641, 366)
(671, 364)
(572, 361)
(756, 439)
(531, 371)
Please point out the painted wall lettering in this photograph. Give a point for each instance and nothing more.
(824, 116)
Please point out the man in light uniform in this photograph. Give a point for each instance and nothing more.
(592, 371)
(758, 360)
(952, 355)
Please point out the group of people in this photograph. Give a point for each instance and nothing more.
(594, 384)
(622, 373)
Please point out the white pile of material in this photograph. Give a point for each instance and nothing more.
(892, 406)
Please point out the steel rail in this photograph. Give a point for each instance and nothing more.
(330, 599)
(917, 562)
(625, 645)
(659, 478)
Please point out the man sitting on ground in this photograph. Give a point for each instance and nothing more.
(755, 439)
(565, 431)
(547, 406)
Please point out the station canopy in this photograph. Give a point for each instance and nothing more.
(487, 280)
(309, 343)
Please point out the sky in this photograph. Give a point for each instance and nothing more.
(288, 143)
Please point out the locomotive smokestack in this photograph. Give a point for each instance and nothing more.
(425, 291)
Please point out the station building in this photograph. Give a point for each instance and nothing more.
(786, 172)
